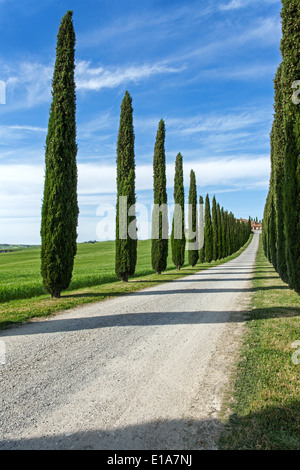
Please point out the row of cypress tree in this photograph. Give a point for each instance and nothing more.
(281, 222)
(223, 233)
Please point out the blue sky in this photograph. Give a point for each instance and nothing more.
(205, 67)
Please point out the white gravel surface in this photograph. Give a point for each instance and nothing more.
(143, 371)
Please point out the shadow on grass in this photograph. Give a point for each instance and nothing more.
(273, 428)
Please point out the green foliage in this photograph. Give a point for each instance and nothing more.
(126, 242)
(60, 207)
(282, 209)
(214, 218)
(201, 231)
(290, 49)
(223, 234)
(193, 255)
(178, 234)
(159, 244)
(219, 232)
(278, 145)
(208, 239)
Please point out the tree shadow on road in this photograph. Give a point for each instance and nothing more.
(183, 434)
(158, 318)
(271, 428)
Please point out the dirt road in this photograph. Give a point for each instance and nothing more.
(143, 371)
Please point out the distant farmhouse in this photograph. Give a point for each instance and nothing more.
(255, 224)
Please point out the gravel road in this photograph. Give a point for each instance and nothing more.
(143, 371)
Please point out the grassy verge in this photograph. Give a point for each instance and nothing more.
(265, 412)
(24, 309)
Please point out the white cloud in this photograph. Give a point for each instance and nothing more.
(26, 128)
(264, 32)
(233, 5)
(237, 4)
(22, 190)
(214, 124)
(28, 84)
(96, 78)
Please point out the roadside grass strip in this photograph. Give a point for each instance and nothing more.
(264, 411)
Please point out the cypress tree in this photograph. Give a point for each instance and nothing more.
(208, 241)
(178, 235)
(290, 49)
(193, 255)
(201, 231)
(159, 247)
(230, 234)
(278, 155)
(265, 231)
(227, 234)
(219, 224)
(60, 206)
(214, 228)
(126, 236)
(223, 233)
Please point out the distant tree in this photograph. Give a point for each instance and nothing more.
(227, 234)
(126, 236)
(178, 235)
(159, 247)
(230, 233)
(193, 255)
(214, 228)
(60, 206)
(208, 241)
(219, 225)
(201, 230)
(223, 233)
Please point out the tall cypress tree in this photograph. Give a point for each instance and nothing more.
(193, 254)
(201, 231)
(227, 234)
(126, 236)
(219, 224)
(278, 155)
(214, 228)
(290, 49)
(60, 206)
(223, 233)
(159, 243)
(230, 233)
(208, 241)
(178, 234)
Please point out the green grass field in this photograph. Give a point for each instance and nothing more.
(265, 414)
(20, 276)
(22, 295)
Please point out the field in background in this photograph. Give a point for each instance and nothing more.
(20, 276)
